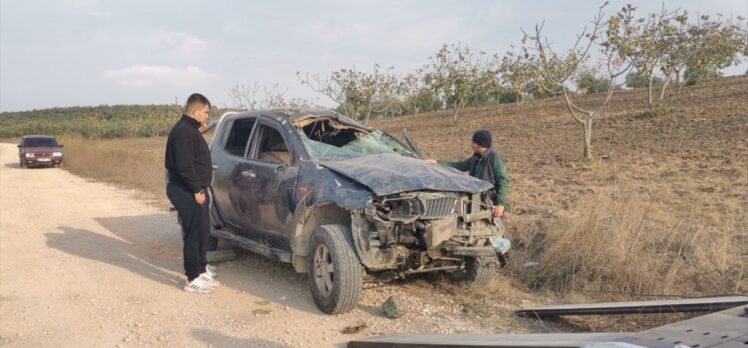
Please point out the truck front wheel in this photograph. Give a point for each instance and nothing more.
(335, 272)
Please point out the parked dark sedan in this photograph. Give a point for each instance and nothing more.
(39, 150)
(345, 203)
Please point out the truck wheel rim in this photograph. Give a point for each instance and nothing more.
(323, 270)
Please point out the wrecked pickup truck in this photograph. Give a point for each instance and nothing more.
(345, 203)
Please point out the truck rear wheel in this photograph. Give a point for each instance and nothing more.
(477, 272)
(335, 272)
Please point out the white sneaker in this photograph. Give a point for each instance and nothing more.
(211, 270)
(198, 285)
(209, 280)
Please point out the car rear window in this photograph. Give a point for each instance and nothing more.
(39, 142)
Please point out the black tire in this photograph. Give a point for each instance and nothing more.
(347, 273)
(21, 163)
(476, 273)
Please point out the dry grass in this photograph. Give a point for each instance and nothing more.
(619, 243)
(136, 163)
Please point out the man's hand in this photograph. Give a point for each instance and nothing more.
(203, 128)
(200, 197)
(498, 211)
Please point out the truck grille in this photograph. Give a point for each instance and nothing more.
(438, 207)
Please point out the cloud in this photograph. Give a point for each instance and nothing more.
(152, 75)
(180, 43)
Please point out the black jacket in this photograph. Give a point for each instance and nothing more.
(187, 156)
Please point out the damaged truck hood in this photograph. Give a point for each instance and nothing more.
(390, 174)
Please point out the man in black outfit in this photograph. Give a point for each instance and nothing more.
(190, 174)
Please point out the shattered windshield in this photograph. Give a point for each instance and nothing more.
(328, 140)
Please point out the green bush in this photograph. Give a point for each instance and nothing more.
(696, 76)
(641, 80)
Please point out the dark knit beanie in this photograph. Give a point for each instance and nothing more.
(482, 138)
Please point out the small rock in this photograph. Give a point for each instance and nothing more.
(395, 307)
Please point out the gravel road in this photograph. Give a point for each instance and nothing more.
(85, 264)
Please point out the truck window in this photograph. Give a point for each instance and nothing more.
(238, 136)
(271, 147)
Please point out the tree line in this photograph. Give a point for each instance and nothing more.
(660, 51)
(116, 121)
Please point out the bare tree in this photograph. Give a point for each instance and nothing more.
(359, 94)
(560, 70)
(254, 96)
(330, 86)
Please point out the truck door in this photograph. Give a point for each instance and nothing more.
(273, 170)
(230, 187)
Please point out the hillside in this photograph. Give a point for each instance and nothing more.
(663, 209)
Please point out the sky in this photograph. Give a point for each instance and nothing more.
(95, 52)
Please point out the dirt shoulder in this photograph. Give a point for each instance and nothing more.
(89, 264)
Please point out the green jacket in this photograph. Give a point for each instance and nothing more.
(501, 177)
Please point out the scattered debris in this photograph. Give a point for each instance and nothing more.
(395, 307)
(263, 302)
(349, 330)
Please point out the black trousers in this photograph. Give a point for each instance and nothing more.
(195, 220)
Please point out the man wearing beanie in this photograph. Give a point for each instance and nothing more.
(486, 164)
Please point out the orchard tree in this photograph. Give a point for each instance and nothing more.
(454, 73)
(417, 96)
(708, 46)
(590, 80)
(562, 70)
(255, 96)
(647, 40)
(719, 43)
(358, 94)
(330, 86)
(517, 71)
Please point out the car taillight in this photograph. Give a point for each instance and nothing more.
(57, 154)
(29, 154)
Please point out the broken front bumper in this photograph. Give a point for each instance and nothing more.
(424, 230)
